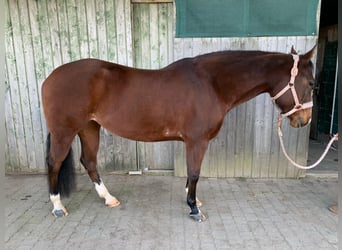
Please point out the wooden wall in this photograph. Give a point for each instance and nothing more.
(41, 35)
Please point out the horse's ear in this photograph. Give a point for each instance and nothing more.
(293, 51)
(306, 57)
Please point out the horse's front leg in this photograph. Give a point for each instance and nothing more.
(198, 202)
(194, 155)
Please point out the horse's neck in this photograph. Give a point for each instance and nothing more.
(237, 87)
(241, 76)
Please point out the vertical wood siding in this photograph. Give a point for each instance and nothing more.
(41, 35)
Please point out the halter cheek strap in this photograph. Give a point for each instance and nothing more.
(290, 85)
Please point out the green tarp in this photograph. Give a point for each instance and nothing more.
(243, 18)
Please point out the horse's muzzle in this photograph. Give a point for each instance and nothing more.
(301, 118)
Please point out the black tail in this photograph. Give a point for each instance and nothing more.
(66, 175)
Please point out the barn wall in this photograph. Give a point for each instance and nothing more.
(41, 35)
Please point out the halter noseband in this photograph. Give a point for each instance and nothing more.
(290, 85)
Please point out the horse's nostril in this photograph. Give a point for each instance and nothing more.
(299, 122)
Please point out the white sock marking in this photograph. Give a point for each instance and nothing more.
(103, 192)
(57, 204)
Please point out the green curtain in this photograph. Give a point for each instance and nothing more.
(243, 18)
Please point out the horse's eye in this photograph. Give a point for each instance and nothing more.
(312, 83)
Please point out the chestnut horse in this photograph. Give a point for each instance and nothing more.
(185, 101)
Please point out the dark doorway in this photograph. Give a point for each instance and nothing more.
(325, 112)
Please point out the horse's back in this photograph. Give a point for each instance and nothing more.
(75, 73)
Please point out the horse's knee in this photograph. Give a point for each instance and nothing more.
(193, 178)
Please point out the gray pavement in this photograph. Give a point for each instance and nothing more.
(329, 164)
(243, 214)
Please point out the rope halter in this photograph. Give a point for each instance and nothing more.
(290, 85)
(297, 106)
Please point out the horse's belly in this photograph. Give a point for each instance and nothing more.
(141, 129)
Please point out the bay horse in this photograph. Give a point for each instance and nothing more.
(185, 101)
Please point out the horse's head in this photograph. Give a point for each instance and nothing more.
(294, 97)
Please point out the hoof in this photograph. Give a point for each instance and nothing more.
(59, 213)
(199, 217)
(113, 203)
(333, 208)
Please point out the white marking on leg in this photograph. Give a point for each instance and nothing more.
(57, 204)
(102, 191)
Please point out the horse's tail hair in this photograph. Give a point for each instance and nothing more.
(66, 175)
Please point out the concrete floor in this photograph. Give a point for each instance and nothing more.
(243, 214)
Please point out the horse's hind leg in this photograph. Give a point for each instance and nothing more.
(60, 170)
(89, 137)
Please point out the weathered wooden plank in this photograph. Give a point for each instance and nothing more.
(239, 139)
(112, 48)
(229, 125)
(12, 159)
(63, 33)
(35, 74)
(82, 29)
(44, 62)
(72, 26)
(152, 1)
(92, 29)
(101, 30)
(116, 153)
(124, 32)
(188, 45)
(13, 124)
(43, 41)
(248, 134)
(260, 152)
(180, 159)
(22, 97)
(52, 15)
(152, 35)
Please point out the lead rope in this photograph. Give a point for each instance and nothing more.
(280, 135)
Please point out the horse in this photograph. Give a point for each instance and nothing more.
(184, 101)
